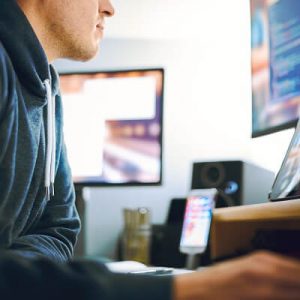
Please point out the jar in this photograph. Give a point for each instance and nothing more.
(136, 235)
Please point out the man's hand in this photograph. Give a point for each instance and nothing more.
(259, 276)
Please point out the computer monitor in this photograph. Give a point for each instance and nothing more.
(275, 43)
(286, 185)
(113, 126)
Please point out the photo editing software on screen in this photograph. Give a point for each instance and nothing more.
(275, 43)
(113, 126)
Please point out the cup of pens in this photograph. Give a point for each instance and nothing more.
(136, 235)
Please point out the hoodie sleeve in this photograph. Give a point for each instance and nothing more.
(55, 234)
(89, 280)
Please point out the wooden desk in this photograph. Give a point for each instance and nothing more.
(233, 228)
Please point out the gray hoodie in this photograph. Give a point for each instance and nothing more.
(37, 211)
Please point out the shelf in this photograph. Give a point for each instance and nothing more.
(233, 228)
(265, 211)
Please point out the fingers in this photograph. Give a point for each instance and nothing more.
(274, 276)
(259, 276)
(278, 259)
(284, 270)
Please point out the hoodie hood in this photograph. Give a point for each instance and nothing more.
(27, 55)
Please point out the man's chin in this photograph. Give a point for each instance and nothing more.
(83, 54)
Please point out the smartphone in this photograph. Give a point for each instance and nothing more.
(197, 221)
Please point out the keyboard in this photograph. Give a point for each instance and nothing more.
(133, 267)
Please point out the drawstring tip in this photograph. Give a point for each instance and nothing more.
(52, 189)
(47, 193)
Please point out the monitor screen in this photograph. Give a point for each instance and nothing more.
(113, 126)
(275, 43)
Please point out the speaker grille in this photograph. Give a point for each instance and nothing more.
(226, 176)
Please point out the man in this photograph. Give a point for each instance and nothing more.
(37, 213)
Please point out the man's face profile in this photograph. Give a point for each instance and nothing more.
(76, 26)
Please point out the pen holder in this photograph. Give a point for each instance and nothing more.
(136, 235)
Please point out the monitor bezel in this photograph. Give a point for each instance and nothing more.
(274, 129)
(81, 184)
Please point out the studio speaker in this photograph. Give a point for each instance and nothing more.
(238, 182)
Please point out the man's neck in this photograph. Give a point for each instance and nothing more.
(31, 9)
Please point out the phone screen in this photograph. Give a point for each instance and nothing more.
(197, 221)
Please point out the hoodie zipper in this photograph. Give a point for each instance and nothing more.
(51, 142)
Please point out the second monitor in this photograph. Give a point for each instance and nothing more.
(113, 126)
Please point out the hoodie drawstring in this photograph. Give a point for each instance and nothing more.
(51, 142)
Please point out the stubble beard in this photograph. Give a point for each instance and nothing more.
(71, 46)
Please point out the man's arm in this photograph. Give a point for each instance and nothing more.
(262, 276)
(36, 279)
(55, 234)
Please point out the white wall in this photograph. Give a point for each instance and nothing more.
(204, 47)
